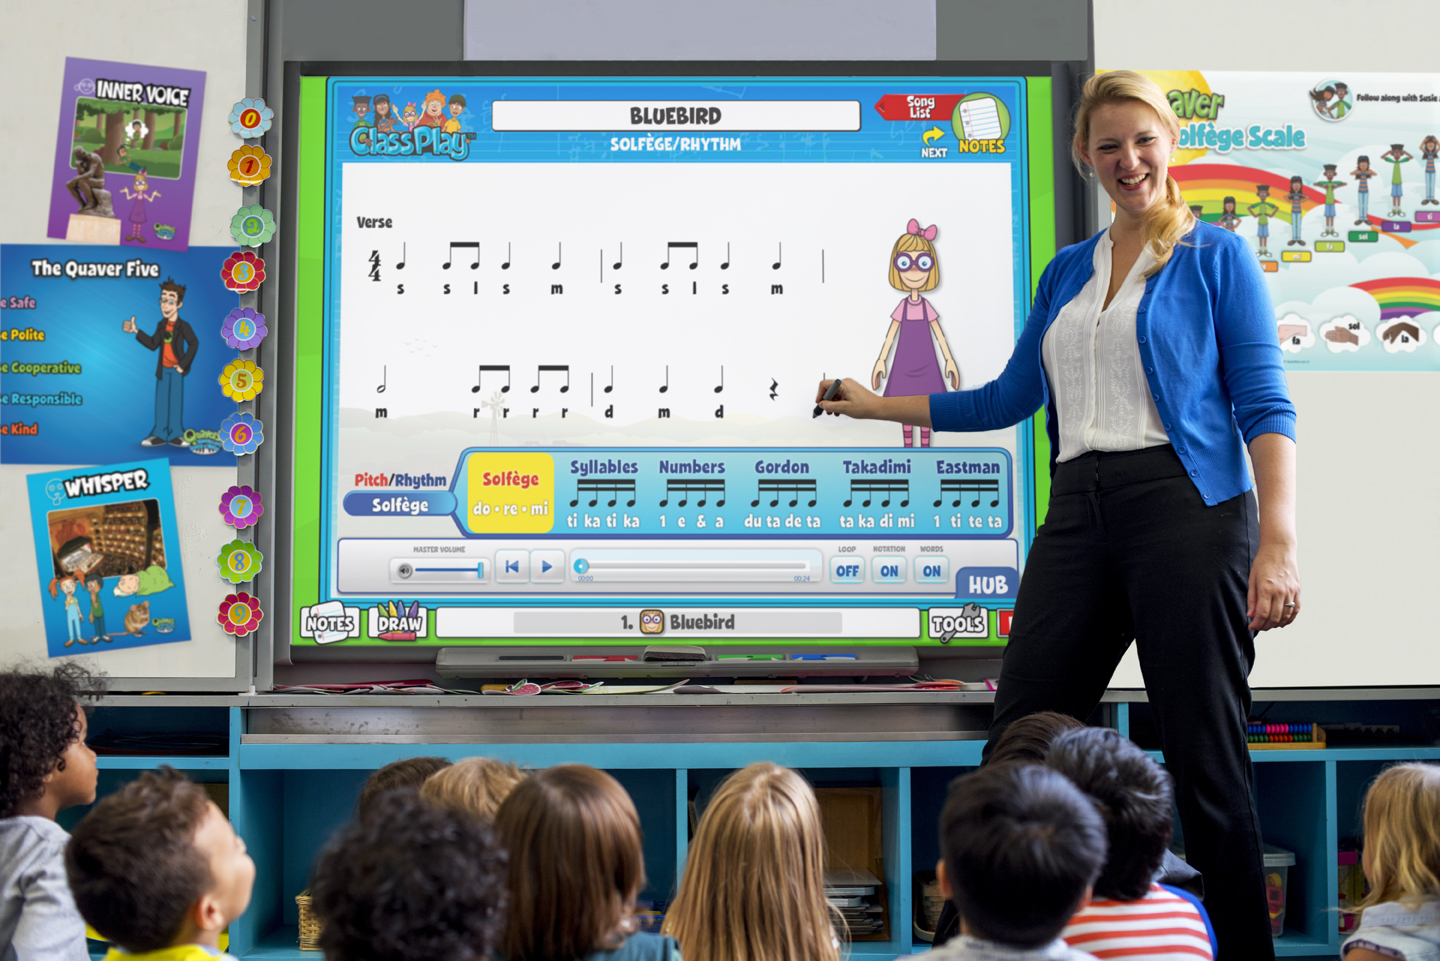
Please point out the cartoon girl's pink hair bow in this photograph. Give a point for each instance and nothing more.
(914, 228)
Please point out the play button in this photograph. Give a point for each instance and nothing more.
(547, 567)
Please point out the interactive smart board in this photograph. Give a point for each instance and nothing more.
(559, 385)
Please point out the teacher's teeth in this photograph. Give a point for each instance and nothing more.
(1132, 181)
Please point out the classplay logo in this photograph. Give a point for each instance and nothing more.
(203, 442)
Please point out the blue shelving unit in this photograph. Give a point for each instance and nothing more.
(286, 796)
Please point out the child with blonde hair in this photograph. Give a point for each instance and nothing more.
(1400, 917)
(754, 884)
(474, 785)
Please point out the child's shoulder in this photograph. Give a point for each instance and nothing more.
(26, 833)
(1408, 929)
(642, 946)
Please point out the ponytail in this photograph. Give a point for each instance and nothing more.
(1169, 220)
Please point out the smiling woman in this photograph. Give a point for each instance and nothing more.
(1152, 348)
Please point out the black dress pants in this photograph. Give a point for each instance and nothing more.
(1130, 551)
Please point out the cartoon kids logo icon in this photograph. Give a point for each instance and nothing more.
(1331, 100)
(652, 622)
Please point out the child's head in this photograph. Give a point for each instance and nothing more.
(754, 884)
(1296, 183)
(409, 112)
(1341, 89)
(434, 103)
(475, 786)
(1020, 848)
(157, 864)
(1133, 794)
(410, 882)
(1262, 190)
(576, 864)
(1028, 740)
(1229, 205)
(1330, 170)
(382, 106)
(1402, 834)
(1363, 162)
(44, 763)
(913, 265)
(410, 772)
(457, 104)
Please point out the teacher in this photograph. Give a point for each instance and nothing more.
(1152, 348)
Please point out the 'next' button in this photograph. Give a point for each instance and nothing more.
(847, 570)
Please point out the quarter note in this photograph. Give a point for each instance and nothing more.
(611, 386)
(401, 264)
(722, 379)
(683, 245)
(463, 245)
(621, 262)
(494, 369)
(666, 386)
(726, 264)
(552, 369)
(779, 256)
(506, 264)
(384, 379)
(556, 264)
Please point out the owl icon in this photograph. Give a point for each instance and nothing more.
(652, 622)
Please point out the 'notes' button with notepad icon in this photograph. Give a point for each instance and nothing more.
(512, 567)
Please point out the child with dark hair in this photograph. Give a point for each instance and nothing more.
(410, 772)
(157, 869)
(45, 767)
(1020, 849)
(457, 107)
(408, 881)
(1130, 916)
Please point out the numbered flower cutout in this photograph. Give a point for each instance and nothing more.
(241, 433)
(250, 118)
(239, 614)
(252, 226)
(239, 562)
(244, 328)
(249, 165)
(241, 380)
(241, 506)
(242, 271)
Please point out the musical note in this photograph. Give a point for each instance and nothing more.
(558, 250)
(977, 487)
(463, 245)
(611, 386)
(779, 256)
(599, 485)
(621, 262)
(726, 264)
(384, 379)
(666, 386)
(494, 369)
(401, 264)
(797, 486)
(506, 264)
(683, 245)
(722, 379)
(549, 369)
(686, 486)
(871, 488)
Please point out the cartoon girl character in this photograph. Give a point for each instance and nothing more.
(1362, 174)
(385, 119)
(1296, 196)
(1429, 150)
(914, 370)
(137, 212)
(409, 118)
(433, 112)
(1229, 219)
(73, 619)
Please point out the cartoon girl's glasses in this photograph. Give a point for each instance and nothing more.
(904, 262)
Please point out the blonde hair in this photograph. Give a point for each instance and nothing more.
(1402, 834)
(475, 786)
(754, 884)
(576, 864)
(910, 243)
(1166, 222)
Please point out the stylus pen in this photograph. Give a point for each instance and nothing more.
(830, 393)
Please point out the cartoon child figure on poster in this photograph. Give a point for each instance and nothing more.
(93, 584)
(1229, 219)
(73, 619)
(137, 212)
(434, 110)
(914, 369)
(1396, 155)
(457, 107)
(1429, 150)
(1262, 211)
(1296, 196)
(385, 119)
(177, 345)
(1362, 174)
(1330, 183)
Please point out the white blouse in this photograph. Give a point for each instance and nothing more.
(1093, 362)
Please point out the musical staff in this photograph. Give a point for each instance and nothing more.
(552, 369)
(463, 245)
(871, 488)
(683, 245)
(795, 486)
(685, 486)
(595, 486)
(493, 369)
(961, 487)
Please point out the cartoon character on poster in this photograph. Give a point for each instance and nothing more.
(1362, 174)
(1229, 219)
(361, 106)
(1395, 156)
(1262, 211)
(137, 211)
(385, 119)
(914, 327)
(433, 114)
(408, 117)
(1330, 183)
(94, 584)
(1296, 196)
(177, 345)
(1429, 150)
(457, 107)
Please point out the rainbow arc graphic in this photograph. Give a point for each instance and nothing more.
(1402, 296)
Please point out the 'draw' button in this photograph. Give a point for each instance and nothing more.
(932, 570)
(887, 570)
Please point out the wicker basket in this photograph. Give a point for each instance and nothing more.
(309, 924)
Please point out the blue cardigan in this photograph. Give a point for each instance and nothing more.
(1207, 337)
